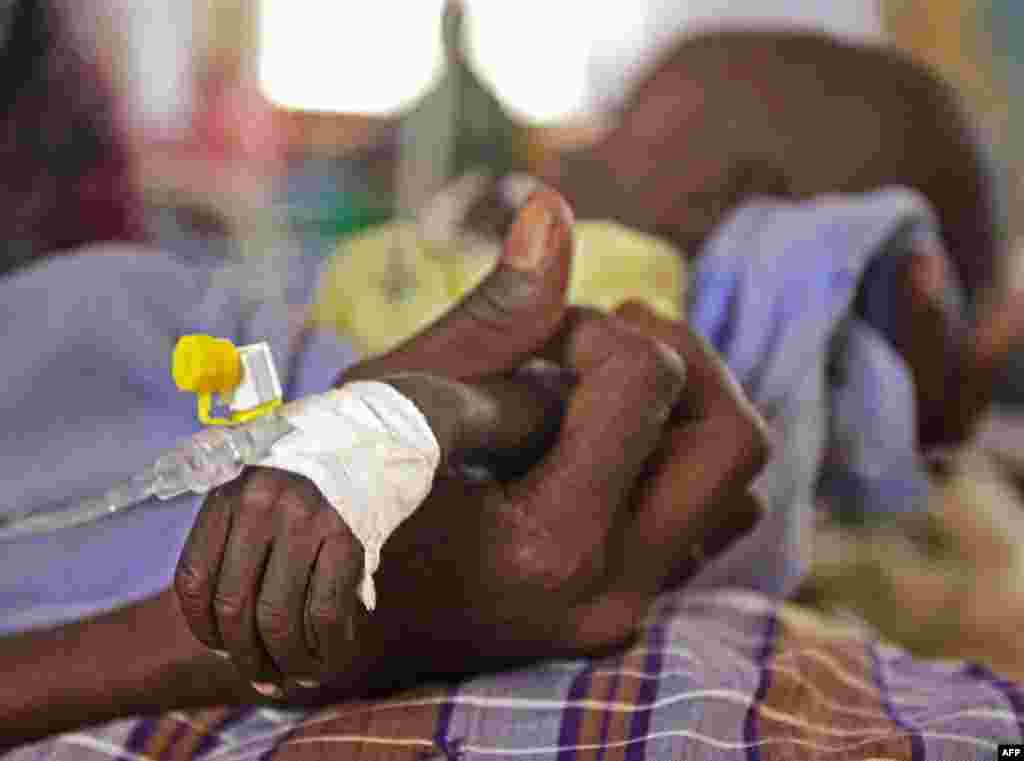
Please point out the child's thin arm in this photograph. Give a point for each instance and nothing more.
(955, 366)
(141, 659)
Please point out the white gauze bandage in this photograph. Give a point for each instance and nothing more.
(371, 453)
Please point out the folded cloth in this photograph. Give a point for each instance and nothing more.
(773, 291)
(87, 399)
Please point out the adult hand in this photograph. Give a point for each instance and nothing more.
(642, 462)
(269, 571)
(649, 474)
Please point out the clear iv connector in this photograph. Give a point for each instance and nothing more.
(202, 462)
(213, 457)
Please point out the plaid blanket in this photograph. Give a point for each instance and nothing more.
(718, 675)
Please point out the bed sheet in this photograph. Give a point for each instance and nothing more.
(716, 675)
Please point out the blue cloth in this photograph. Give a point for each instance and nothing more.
(774, 291)
(87, 399)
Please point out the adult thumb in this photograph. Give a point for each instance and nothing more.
(509, 315)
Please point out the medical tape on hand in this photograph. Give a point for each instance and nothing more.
(371, 453)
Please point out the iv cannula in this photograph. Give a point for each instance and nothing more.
(198, 464)
(496, 416)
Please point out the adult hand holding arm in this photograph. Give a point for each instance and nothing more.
(634, 429)
(564, 558)
(648, 466)
(144, 657)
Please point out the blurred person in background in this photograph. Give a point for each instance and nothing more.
(616, 65)
(729, 115)
(67, 171)
(210, 145)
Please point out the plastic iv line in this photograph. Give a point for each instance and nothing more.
(202, 462)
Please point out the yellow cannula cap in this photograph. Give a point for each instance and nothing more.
(205, 365)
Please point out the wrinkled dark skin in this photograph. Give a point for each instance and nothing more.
(565, 558)
(562, 555)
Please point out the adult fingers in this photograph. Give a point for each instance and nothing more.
(195, 578)
(707, 460)
(628, 385)
(304, 521)
(512, 312)
(711, 389)
(734, 517)
(333, 615)
(242, 567)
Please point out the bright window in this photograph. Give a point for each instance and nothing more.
(332, 55)
(377, 57)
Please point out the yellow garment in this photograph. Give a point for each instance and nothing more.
(614, 264)
(363, 298)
